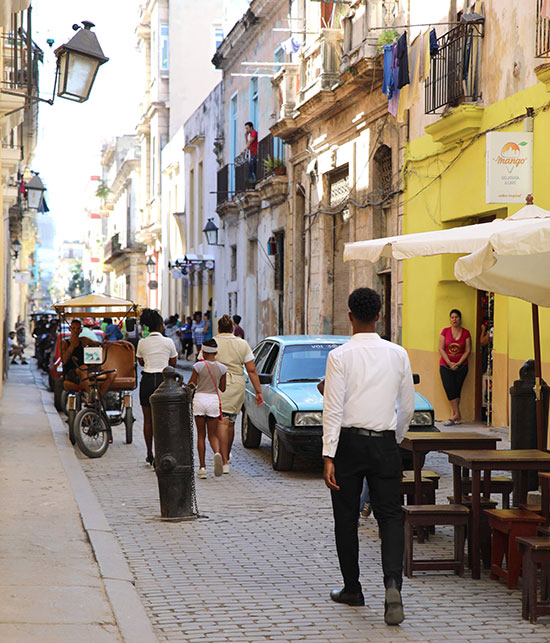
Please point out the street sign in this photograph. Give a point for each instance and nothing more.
(153, 285)
(509, 166)
(22, 277)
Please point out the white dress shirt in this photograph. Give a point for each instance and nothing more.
(365, 378)
(155, 350)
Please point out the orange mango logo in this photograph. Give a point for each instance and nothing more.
(511, 155)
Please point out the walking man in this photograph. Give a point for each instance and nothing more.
(361, 429)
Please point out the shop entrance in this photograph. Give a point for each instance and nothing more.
(484, 356)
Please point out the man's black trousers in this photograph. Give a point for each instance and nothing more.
(377, 459)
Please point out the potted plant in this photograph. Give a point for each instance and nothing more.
(274, 165)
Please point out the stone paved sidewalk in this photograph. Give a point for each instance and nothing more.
(261, 563)
(50, 586)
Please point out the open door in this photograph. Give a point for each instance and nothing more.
(484, 356)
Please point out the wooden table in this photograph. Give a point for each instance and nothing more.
(523, 460)
(422, 442)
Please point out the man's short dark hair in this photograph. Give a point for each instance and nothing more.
(364, 304)
(237, 319)
(249, 123)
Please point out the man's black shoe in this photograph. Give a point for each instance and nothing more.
(350, 598)
(393, 607)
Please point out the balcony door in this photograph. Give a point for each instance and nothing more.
(233, 133)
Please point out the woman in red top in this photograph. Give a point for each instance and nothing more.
(455, 345)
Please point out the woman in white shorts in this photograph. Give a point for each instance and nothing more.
(208, 379)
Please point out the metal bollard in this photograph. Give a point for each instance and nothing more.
(523, 419)
(173, 443)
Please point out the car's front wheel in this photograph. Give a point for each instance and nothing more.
(250, 435)
(281, 458)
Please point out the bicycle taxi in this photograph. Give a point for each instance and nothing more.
(91, 409)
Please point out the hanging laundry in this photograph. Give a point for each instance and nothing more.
(291, 45)
(434, 47)
(426, 55)
(413, 94)
(387, 82)
(403, 61)
(393, 103)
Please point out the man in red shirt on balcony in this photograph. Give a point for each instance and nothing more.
(252, 147)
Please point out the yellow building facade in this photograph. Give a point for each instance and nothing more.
(444, 186)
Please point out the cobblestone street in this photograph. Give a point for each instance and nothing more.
(261, 562)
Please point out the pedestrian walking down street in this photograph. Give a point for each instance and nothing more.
(112, 331)
(198, 332)
(21, 332)
(154, 352)
(208, 379)
(187, 338)
(455, 345)
(172, 331)
(365, 378)
(237, 330)
(207, 325)
(234, 353)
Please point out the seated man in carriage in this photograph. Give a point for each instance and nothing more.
(75, 370)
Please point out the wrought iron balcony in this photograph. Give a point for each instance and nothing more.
(112, 248)
(455, 69)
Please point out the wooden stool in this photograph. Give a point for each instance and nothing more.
(535, 552)
(507, 525)
(498, 484)
(430, 515)
(484, 529)
(429, 475)
(428, 490)
(544, 479)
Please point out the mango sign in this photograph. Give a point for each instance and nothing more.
(509, 167)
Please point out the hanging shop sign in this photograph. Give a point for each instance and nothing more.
(22, 277)
(509, 166)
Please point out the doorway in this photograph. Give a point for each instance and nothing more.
(484, 356)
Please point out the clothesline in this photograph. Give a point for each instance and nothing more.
(420, 24)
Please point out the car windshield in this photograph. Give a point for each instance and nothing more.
(304, 362)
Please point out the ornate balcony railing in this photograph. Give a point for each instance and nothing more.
(454, 71)
(111, 248)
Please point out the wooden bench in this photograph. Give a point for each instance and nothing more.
(498, 484)
(427, 516)
(535, 553)
(484, 529)
(507, 525)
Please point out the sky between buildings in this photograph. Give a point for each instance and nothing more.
(71, 134)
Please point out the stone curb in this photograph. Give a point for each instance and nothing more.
(130, 615)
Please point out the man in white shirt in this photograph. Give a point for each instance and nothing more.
(361, 429)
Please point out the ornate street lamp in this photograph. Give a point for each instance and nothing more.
(35, 191)
(78, 62)
(16, 248)
(211, 231)
(150, 265)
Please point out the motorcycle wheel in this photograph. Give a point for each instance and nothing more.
(129, 423)
(57, 393)
(91, 433)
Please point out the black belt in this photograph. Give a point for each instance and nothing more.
(357, 430)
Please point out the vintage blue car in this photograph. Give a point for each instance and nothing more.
(290, 367)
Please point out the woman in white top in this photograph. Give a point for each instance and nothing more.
(154, 353)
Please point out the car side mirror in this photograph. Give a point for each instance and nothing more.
(416, 378)
(265, 378)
